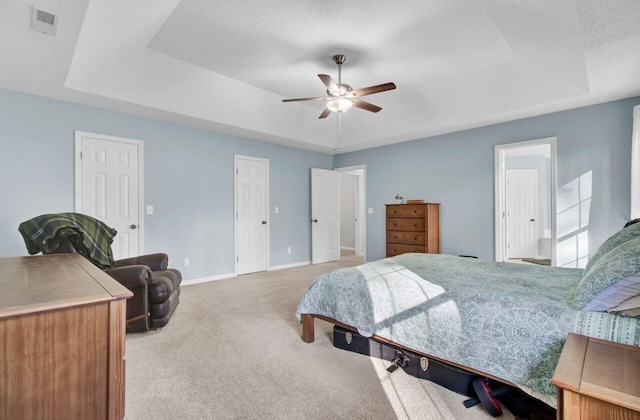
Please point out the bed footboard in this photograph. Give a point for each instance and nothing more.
(308, 326)
(308, 333)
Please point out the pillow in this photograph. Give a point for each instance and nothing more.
(630, 307)
(632, 222)
(630, 231)
(615, 294)
(619, 262)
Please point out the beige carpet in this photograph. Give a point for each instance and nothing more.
(232, 350)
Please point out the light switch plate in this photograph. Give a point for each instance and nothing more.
(370, 210)
(149, 209)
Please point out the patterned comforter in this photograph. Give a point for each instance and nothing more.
(507, 320)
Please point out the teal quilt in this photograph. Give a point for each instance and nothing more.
(507, 320)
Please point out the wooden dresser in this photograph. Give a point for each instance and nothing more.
(62, 335)
(598, 379)
(413, 228)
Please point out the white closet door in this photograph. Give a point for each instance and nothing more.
(252, 214)
(325, 215)
(110, 189)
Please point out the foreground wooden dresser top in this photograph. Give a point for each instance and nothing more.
(598, 379)
(62, 332)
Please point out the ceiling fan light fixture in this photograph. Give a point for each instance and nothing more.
(339, 105)
(341, 97)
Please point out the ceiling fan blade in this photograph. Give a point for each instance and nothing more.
(316, 98)
(365, 105)
(328, 81)
(325, 113)
(373, 89)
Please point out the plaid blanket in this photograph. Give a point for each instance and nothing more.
(90, 237)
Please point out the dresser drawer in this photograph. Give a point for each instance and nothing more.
(406, 210)
(410, 238)
(407, 225)
(397, 249)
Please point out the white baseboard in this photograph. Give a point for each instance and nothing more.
(229, 275)
(285, 266)
(207, 279)
(347, 248)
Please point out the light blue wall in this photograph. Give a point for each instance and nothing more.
(457, 170)
(188, 177)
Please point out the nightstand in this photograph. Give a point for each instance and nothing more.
(598, 379)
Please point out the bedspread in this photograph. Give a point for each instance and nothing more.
(507, 320)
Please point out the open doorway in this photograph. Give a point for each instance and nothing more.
(352, 212)
(525, 180)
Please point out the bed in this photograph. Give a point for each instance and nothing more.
(502, 320)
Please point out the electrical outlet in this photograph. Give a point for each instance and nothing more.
(186, 262)
(289, 250)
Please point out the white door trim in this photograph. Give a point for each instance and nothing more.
(235, 210)
(499, 193)
(78, 176)
(361, 211)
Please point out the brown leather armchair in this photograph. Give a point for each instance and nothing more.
(155, 287)
(156, 290)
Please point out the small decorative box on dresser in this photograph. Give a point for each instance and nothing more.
(413, 228)
(598, 379)
(62, 339)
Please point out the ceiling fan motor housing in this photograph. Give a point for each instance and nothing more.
(343, 90)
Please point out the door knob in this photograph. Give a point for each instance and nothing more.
(533, 220)
(133, 226)
(264, 222)
(315, 220)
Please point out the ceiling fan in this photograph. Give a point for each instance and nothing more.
(340, 96)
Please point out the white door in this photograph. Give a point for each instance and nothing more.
(109, 187)
(325, 215)
(252, 214)
(522, 204)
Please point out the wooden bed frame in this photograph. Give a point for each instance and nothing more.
(308, 336)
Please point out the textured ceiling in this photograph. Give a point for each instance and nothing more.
(226, 65)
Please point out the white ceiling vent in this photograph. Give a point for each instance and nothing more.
(42, 21)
